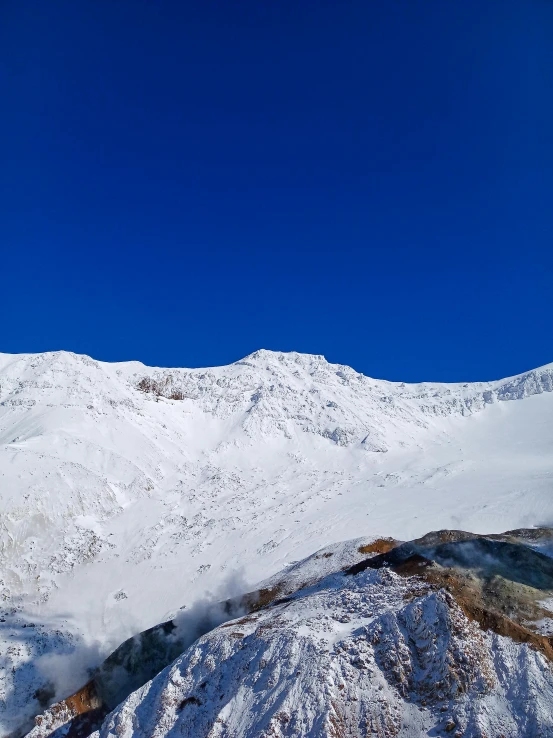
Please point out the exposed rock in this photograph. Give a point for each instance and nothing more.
(434, 634)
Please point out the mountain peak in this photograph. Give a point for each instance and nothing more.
(262, 355)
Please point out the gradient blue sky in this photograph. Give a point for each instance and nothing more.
(185, 182)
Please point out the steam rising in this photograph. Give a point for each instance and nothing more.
(220, 606)
(141, 657)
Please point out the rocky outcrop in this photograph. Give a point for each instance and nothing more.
(441, 634)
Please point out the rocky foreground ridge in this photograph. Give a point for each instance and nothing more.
(448, 634)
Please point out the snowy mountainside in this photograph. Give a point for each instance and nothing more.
(127, 491)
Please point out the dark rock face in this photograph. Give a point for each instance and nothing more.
(486, 557)
(500, 581)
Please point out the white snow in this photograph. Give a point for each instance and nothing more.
(367, 655)
(119, 506)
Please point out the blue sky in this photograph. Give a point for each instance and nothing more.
(185, 182)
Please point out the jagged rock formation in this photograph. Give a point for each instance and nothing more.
(444, 634)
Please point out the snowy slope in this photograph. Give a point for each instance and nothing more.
(128, 491)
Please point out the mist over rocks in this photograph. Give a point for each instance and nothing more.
(383, 646)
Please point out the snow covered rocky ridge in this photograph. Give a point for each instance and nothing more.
(440, 635)
(128, 491)
(345, 661)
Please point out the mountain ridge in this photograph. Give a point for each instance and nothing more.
(254, 356)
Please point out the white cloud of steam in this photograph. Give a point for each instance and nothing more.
(64, 673)
(68, 672)
(219, 606)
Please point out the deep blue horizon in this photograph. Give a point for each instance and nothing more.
(183, 184)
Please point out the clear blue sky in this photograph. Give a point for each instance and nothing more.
(185, 182)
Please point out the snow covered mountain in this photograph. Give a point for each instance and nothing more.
(128, 491)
